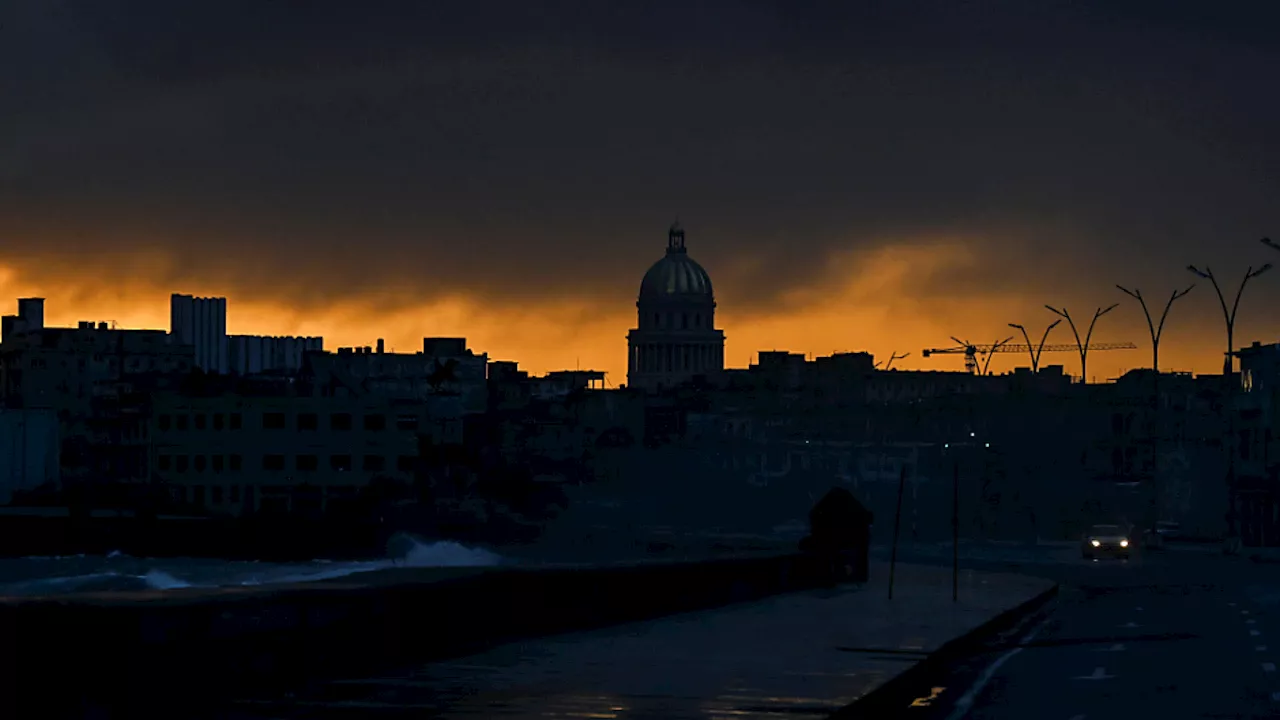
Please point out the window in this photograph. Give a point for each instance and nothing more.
(341, 463)
(306, 463)
(407, 422)
(217, 494)
(200, 461)
(375, 423)
(164, 422)
(162, 462)
(406, 463)
(273, 421)
(374, 463)
(340, 421)
(235, 421)
(217, 463)
(218, 421)
(182, 463)
(274, 463)
(197, 495)
(182, 421)
(200, 421)
(233, 461)
(235, 493)
(308, 421)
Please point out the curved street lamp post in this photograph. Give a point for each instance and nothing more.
(1035, 350)
(1156, 330)
(1157, 427)
(1228, 364)
(1083, 346)
(1228, 368)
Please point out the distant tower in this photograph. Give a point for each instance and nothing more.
(676, 336)
(202, 323)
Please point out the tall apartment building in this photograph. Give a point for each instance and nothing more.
(202, 323)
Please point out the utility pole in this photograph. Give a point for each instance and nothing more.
(1035, 350)
(955, 530)
(1083, 346)
(897, 525)
(1157, 428)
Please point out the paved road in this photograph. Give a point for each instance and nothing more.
(1179, 634)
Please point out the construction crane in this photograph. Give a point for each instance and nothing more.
(971, 351)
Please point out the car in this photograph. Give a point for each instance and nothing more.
(1105, 541)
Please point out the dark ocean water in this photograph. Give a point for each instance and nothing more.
(37, 576)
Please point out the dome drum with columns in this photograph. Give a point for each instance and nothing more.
(676, 338)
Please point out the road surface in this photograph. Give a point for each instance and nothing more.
(1185, 633)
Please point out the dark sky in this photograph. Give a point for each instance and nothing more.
(511, 151)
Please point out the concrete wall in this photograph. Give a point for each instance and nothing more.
(137, 653)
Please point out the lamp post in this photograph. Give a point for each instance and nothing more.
(1156, 331)
(1082, 346)
(1228, 367)
(1035, 350)
(1228, 315)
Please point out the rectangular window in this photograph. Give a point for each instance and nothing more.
(273, 463)
(235, 421)
(374, 463)
(341, 463)
(374, 423)
(308, 421)
(217, 494)
(200, 421)
(164, 422)
(197, 495)
(306, 463)
(217, 463)
(182, 463)
(218, 421)
(273, 421)
(200, 463)
(162, 462)
(406, 463)
(233, 461)
(235, 493)
(340, 421)
(182, 421)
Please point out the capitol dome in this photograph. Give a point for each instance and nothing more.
(675, 339)
(676, 276)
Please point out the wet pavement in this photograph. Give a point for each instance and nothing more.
(1181, 633)
(805, 653)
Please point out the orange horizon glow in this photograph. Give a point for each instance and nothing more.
(865, 308)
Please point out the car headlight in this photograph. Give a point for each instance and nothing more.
(1095, 543)
(1124, 543)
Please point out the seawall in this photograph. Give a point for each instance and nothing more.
(138, 651)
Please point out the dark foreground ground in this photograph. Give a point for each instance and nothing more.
(1182, 633)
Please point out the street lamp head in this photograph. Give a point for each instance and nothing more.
(1104, 311)
(1270, 243)
(1206, 273)
(1056, 311)
(1136, 295)
(1016, 326)
(1053, 324)
(1259, 271)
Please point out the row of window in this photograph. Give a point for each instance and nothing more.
(235, 494)
(281, 463)
(373, 422)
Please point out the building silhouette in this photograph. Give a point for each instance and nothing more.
(201, 322)
(676, 337)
